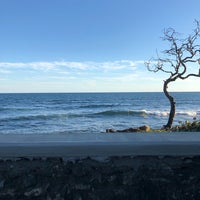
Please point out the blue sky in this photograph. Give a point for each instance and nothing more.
(88, 45)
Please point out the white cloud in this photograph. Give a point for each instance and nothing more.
(11, 65)
(73, 65)
(71, 76)
(114, 65)
(5, 71)
(46, 66)
(57, 65)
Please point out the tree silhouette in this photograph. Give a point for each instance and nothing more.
(182, 57)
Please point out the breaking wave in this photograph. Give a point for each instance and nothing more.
(146, 113)
(106, 113)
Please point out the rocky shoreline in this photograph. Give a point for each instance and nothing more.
(126, 177)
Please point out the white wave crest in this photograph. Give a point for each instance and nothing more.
(158, 113)
(190, 113)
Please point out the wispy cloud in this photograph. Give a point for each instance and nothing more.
(70, 76)
(45, 66)
(4, 71)
(62, 65)
(119, 75)
(115, 65)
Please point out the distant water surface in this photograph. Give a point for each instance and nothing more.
(53, 113)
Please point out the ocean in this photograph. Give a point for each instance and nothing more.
(71, 113)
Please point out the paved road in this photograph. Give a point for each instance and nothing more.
(104, 144)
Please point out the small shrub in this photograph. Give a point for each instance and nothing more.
(187, 126)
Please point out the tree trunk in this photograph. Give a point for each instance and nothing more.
(172, 104)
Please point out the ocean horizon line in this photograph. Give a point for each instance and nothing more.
(96, 92)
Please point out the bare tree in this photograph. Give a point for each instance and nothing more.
(182, 57)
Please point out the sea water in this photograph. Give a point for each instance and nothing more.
(64, 113)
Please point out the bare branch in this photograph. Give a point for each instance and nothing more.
(157, 65)
(195, 75)
(181, 53)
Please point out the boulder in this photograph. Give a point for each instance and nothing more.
(128, 130)
(110, 130)
(145, 128)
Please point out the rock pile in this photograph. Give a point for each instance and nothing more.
(144, 128)
(142, 177)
